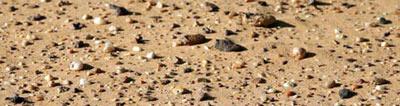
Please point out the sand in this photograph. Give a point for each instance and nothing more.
(344, 42)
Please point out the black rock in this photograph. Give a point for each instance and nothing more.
(76, 26)
(76, 90)
(383, 20)
(212, 7)
(227, 45)
(229, 32)
(204, 96)
(175, 26)
(128, 80)
(187, 70)
(37, 17)
(12, 9)
(120, 11)
(203, 80)
(345, 93)
(139, 40)
(89, 37)
(262, 3)
(16, 99)
(78, 44)
(381, 81)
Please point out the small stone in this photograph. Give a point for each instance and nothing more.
(159, 5)
(83, 82)
(38, 98)
(63, 89)
(129, 20)
(210, 7)
(289, 93)
(380, 87)
(150, 55)
(128, 80)
(260, 20)
(76, 65)
(177, 60)
(24, 43)
(76, 26)
(227, 45)
(204, 96)
(380, 81)
(86, 17)
(330, 84)
(45, 0)
(270, 91)
(229, 32)
(99, 21)
(298, 53)
(384, 44)
(259, 80)
(78, 44)
(192, 39)
(383, 20)
(16, 99)
(49, 78)
(108, 48)
(136, 49)
(113, 28)
(178, 90)
(345, 93)
(37, 17)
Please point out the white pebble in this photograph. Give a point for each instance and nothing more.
(76, 66)
(159, 5)
(108, 47)
(48, 78)
(136, 49)
(150, 55)
(44, 0)
(384, 44)
(380, 87)
(83, 82)
(99, 21)
(112, 28)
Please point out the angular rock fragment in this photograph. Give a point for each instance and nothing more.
(259, 20)
(120, 11)
(192, 39)
(227, 45)
(345, 93)
(210, 7)
(37, 17)
(16, 99)
(204, 97)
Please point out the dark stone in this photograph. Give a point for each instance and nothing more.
(212, 7)
(381, 81)
(120, 11)
(37, 17)
(64, 3)
(76, 90)
(128, 80)
(227, 45)
(383, 20)
(204, 96)
(203, 80)
(262, 3)
(207, 30)
(165, 82)
(120, 104)
(139, 40)
(16, 99)
(78, 44)
(229, 32)
(12, 9)
(175, 26)
(346, 93)
(76, 26)
(89, 37)
(188, 70)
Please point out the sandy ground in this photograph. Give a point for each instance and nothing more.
(36, 53)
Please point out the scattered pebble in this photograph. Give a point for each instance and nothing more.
(76, 65)
(192, 39)
(99, 21)
(298, 53)
(227, 45)
(108, 47)
(345, 93)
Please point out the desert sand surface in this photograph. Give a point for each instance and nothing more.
(199, 52)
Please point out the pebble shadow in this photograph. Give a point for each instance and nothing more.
(87, 67)
(281, 24)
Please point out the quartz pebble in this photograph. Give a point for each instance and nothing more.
(298, 53)
(136, 49)
(108, 47)
(330, 84)
(76, 66)
(83, 82)
(99, 21)
(150, 55)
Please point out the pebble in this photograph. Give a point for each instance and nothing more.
(298, 53)
(204, 96)
(261, 20)
(48, 78)
(83, 82)
(45, 1)
(192, 39)
(383, 20)
(380, 87)
(16, 99)
(210, 7)
(108, 48)
(76, 26)
(227, 45)
(178, 90)
(76, 65)
(150, 55)
(37, 17)
(345, 93)
(86, 17)
(380, 81)
(136, 49)
(99, 21)
(330, 84)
